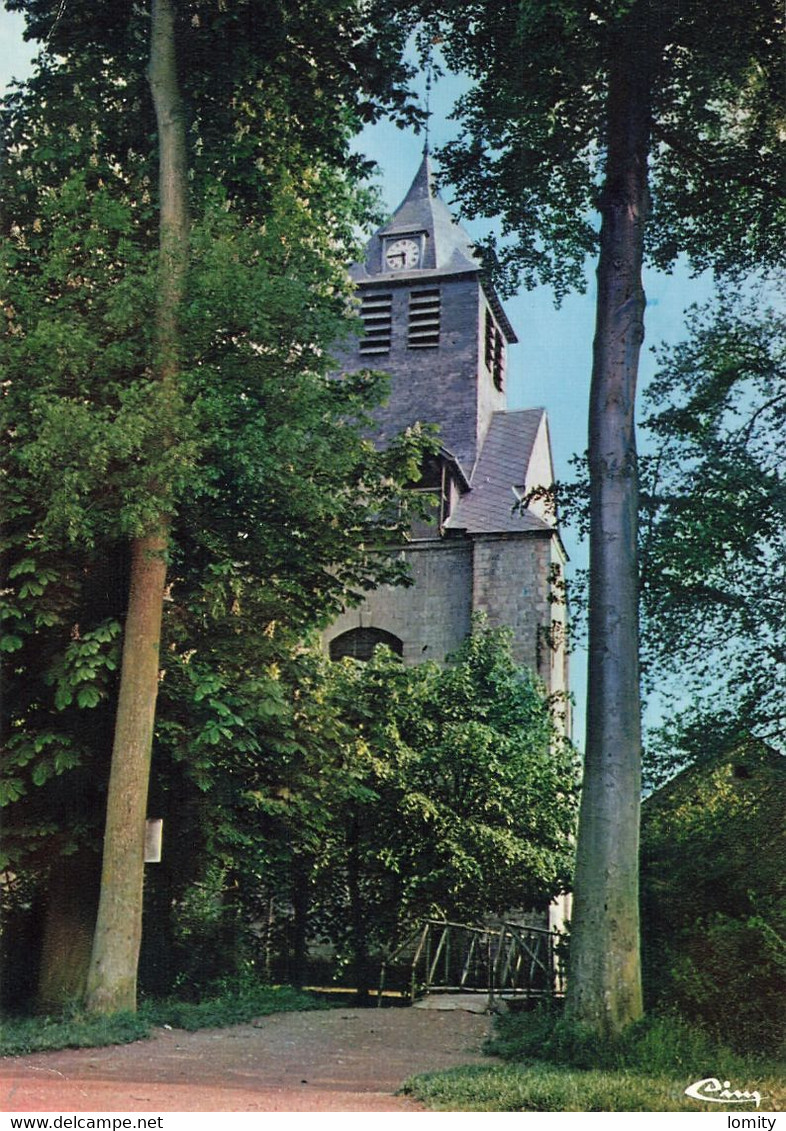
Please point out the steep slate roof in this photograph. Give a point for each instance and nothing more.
(503, 465)
(448, 250)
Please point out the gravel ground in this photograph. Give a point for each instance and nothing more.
(337, 1060)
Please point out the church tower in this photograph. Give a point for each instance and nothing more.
(434, 323)
(430, 323)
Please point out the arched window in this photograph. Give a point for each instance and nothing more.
(359, 643)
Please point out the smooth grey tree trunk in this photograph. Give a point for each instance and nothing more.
(604, 986)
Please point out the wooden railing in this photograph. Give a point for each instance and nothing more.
(509, 961)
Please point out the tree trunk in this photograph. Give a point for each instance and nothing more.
(111, 984)
(67, 934)
(604, 988)
(113, 970)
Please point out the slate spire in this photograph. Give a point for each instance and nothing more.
(447, 247)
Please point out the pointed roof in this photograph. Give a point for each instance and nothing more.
(448, 248)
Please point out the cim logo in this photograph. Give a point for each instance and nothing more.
(712, 1091)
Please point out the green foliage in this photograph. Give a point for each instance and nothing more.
(354, 793)
(465, 794)
(534, 127)
(713, 914)
(326, 67)
(714, 515)
(712, 521)
(278, 500)
(204, 935)
(730, 974)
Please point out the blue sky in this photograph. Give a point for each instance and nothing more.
(15, 55)
(550, 366)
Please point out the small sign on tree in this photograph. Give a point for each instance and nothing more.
(154, 831)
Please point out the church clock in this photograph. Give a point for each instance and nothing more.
(402, 253)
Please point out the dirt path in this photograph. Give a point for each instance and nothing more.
(338, 1060)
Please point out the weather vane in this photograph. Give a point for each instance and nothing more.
(429, 73)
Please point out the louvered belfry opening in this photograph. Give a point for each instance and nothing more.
(377, 313)
(494, 352)
(499, 360)
(424, 316)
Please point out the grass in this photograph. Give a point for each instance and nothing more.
(78, 1030)
(232, 1007)
(19, 1036)
(556, 1066)
(541, 1088)
(656, 1044)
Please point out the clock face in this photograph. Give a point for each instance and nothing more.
(403, 253)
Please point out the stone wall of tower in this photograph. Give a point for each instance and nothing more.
(491, 397)
(511, 584)
(437, 384)
(506, 577)
(481, 561)
(431, 617)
